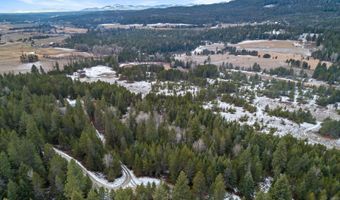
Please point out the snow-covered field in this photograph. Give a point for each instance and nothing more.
(281, 125)
(106, 74)
(28, 66)
(210, 47)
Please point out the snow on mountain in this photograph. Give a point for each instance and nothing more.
(128, 7)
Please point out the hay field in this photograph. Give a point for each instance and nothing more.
(10, 57)
(280, 51)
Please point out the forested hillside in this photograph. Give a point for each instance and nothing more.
(177, 40)
(173, 137)
(313, 13)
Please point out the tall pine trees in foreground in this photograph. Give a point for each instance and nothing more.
(281, 189)
(198, 152)
(77, 185)
(182, 190)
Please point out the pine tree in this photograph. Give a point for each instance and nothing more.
(12, 190)
(56, 174)
(76, 181)
(76, 195)
(91, 149)
(279, 161)
(199, 187)
(247, 185)
(181, 190)
(280, 189)
(123, 194)
(323, 195)
(38, 186)
(160, 193)
(261, 196)
(219, 188)
(93, 195)
(33, 132)
(5, 166)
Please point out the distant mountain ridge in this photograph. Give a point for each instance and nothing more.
(298, 12)
(311, 13)
(131, 7)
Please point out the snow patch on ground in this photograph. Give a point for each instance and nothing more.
(281, 125)
(269, 6)
(71, 102)
(209, 47)
(106, 74)
(266, 184)
(65, 49)
(101, 136)
(175, 89)
(142, 180)
(230, 196)
(28, 66)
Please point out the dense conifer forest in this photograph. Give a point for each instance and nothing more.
(198, 153)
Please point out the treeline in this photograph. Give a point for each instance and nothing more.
(329, 43)
(298, 116)
(329, 74)
(176, 40)
(235, 51)
(197, 75)
(327, 96)
(330, 128)
(298, 64)
(238, 101)
(276, 89)
(29, 58)
(282, 71)
(139, 72)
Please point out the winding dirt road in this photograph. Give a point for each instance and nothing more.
(98, 180)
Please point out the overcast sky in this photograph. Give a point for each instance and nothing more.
(69, 5)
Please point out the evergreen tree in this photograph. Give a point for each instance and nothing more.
(33, 132)
(247, 185)
(261, 196)
(160, 193)
(280, 189)
(38, 186)
(91, 149)
(279, 161)
(76, 182)
(123, 194)
(182, 190)
(218, 188)
(5, 166)
(199, 187)
(93, 195)
(76, 195)
(12, 190)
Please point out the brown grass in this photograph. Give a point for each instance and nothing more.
(10, 57)
(280, 51)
